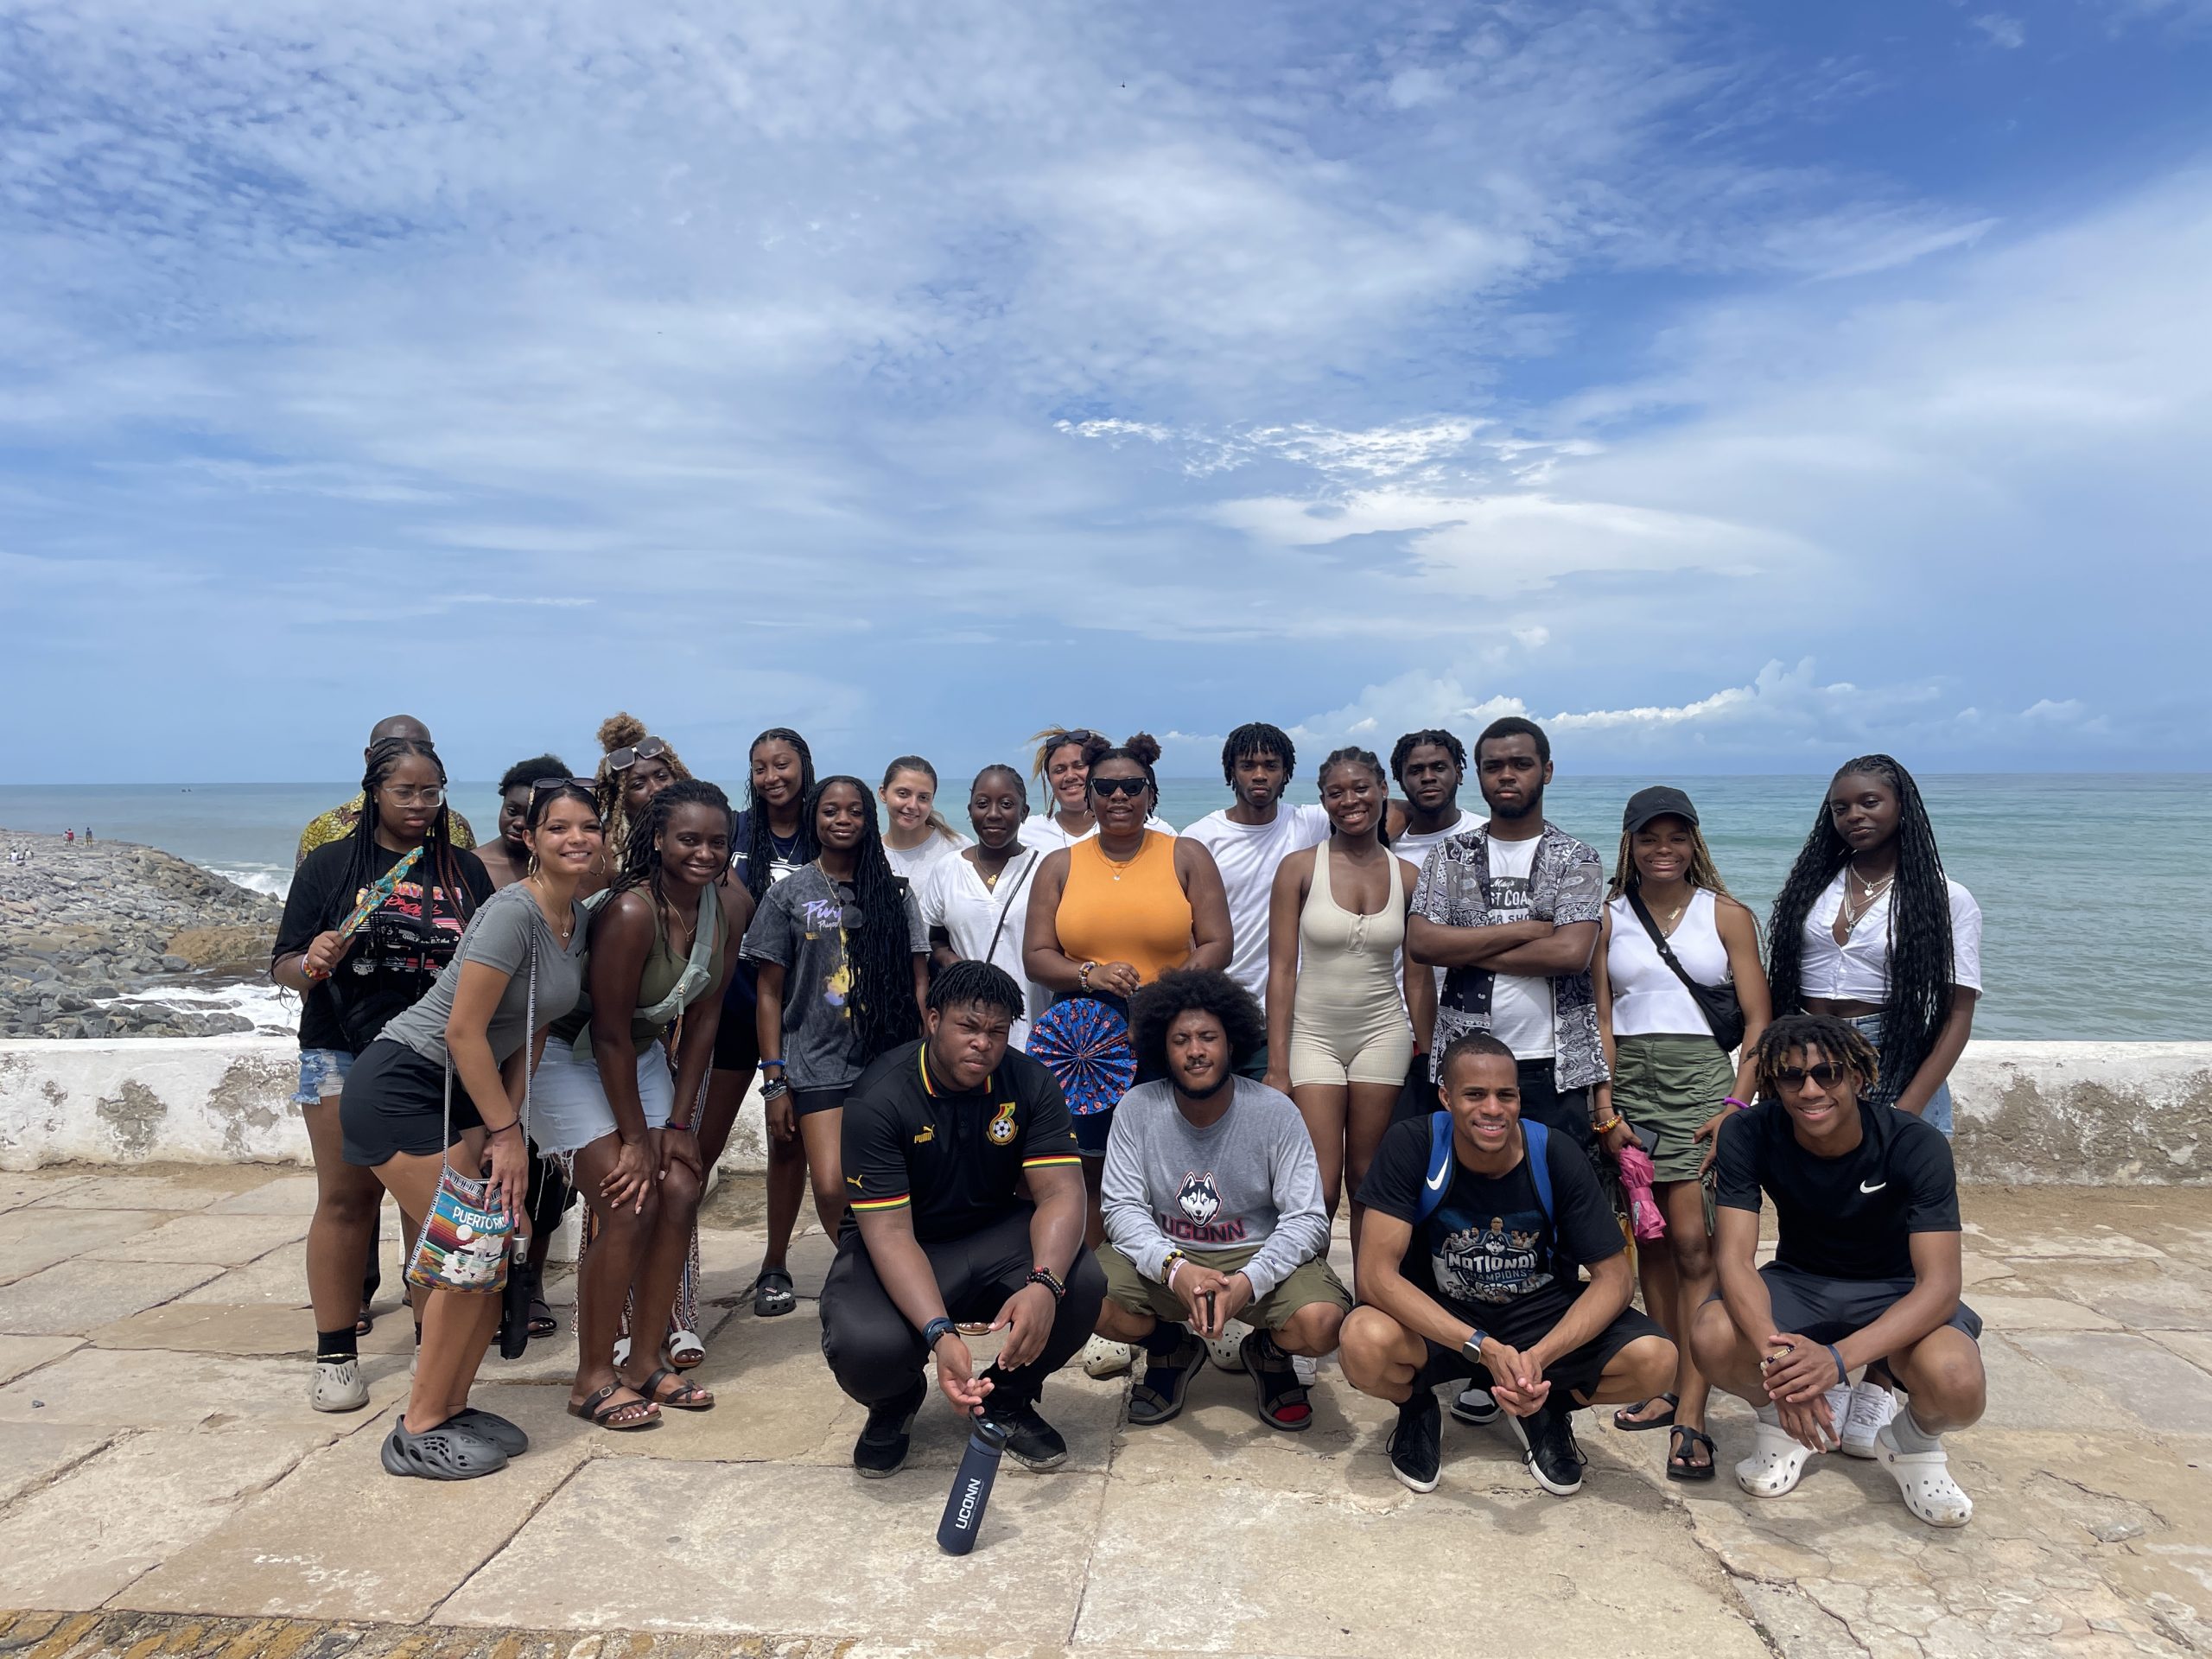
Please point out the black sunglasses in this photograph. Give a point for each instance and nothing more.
(1827, 1074)
(538, 786)
(1131, 787)
(646, 749)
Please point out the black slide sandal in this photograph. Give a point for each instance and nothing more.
(1665, 1420)
(1679, 1445)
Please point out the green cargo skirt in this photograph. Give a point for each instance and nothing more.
(1668, 1086)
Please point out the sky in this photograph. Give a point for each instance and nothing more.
(1732, 388)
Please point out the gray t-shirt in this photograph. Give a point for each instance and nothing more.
(501, 935)
(1250, 1179)
(796, 926)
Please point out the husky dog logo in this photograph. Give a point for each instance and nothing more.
(1200, 1198)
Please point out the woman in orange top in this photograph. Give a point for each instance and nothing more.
(1116, 911)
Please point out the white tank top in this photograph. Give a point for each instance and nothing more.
(1649, 1001)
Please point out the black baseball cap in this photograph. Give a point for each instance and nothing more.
(1660, 800)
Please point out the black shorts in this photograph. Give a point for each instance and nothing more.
(807, 1102)
(1576, 1371)
(395, 1101)
(737, 1039)
(1829, 1309)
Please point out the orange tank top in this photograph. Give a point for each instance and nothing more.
(1134, 912)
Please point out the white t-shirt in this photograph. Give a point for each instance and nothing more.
(1414, 847)
(1858, 970)
(1042, 830)
(1249, 855)
(1520, 1005)
(911, 861)
(952, 896)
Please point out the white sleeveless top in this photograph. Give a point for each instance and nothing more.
(1649, 1001)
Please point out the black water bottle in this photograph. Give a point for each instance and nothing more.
(971, 1488)
(514, 1299)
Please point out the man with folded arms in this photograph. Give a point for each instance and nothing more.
(1475, 1228)
(1212, 1196)
(1867, 1270)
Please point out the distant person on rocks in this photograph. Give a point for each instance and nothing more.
(1869, 928)
(618, 1098)
(1342, 1036)
(481, 1029)
(69, 837)
(966, 1205)
(1250, 838)
(1480, 1222)
(1867, 1270)
(1214, 1208)
(339, 820)
(351, 984)
(506, 856)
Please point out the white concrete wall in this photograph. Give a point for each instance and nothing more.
(2101, 1113)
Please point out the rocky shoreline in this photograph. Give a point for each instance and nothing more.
(93, 934)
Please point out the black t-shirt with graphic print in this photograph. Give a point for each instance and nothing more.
(394, 957)
(1486, 1251)
(955, 1157)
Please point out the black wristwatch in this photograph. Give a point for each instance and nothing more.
(935, 1332)
(1472, 1347)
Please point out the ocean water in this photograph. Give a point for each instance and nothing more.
(2096, 890)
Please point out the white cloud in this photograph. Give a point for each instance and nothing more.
(2008, 33)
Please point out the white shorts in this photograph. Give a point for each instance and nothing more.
(568, 1103)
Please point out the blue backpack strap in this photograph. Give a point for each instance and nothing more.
(1536, 1139)
(1438, 1180)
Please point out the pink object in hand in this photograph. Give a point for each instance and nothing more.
(1636, 1176)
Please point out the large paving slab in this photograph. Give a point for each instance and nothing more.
(77, 1541)
(33, 1454)
(227, 1241)
(2158, 1389)
(766, 1547)
(21, 1354)
(194, 1187)
(73, 1297)
(124, 1387)
(34, 1239)
(282, 1195)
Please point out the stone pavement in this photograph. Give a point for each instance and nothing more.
(165, 1490)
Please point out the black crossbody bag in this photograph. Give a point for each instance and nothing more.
(1723, 1013)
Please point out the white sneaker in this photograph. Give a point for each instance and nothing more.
(1924, 1478)
(1474, 1405)
(1871, 1408)
(1227, 1350)
(338, 1386)
(1102, 1358)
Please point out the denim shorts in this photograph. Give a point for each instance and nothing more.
(1938, 1109)
(322, 1075)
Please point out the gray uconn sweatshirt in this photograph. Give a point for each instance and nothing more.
(1249, 1180)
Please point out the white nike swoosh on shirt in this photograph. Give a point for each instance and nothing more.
(1437, 1185)
(1877, 1187)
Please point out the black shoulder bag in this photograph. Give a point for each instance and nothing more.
(1723, 1014)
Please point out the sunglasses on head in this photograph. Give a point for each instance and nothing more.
(540, 785)
(645, 748)
(1827, 1074)
(1131, 787)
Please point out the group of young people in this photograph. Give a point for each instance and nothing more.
(1103, 1087)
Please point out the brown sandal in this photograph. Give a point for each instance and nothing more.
(602, 1410)
(687, 1397)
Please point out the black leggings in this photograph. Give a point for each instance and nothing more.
(877, 1356)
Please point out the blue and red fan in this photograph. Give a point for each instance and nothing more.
(1085, 1045)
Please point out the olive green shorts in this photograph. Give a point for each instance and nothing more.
(1309, 1282)
(1668, 1087)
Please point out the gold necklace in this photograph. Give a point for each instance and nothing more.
(544, 899)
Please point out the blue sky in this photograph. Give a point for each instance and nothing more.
(1733, 388)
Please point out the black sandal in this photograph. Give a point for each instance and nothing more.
(1283, 1401)
(1159, 1396)
(601, 1408)
(365, 1321)
(771, 1294)
(1627, 1426)
(1679, 1466)
(541, 1322)
(688, 1396)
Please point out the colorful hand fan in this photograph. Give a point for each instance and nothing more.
(1085, 1045)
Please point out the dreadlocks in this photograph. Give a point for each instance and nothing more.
(1402, 751)
(624, 731)
(1837, 1039)
(1258, 738)
(1921, 965)
(977, 984)
(444, 865)
(759, 849)
(879, 951)
(641, 859)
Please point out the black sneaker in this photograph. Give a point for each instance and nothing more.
(882, 1444)
(1474, 1405)
(1417, 1443)
(1030, 1440)
(1546, 1438)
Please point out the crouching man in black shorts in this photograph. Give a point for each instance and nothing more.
(1866, 1271)
(1476, 1224)
(937, 1136)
